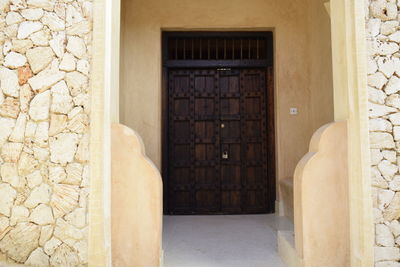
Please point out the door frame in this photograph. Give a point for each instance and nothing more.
(270, 102)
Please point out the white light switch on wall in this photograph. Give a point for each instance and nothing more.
(293, 111)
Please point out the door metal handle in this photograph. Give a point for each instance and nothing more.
(225, 155)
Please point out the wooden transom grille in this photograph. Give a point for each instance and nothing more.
(207, 49)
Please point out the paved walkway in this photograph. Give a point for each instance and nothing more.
(221, 241)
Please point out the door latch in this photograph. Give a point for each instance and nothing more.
(225, 155)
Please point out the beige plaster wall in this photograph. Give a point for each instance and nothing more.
(321, 219)
(320, 63)
(140, 95)
(136, 202)
(320, 83)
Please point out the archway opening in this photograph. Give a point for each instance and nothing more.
(303, 90)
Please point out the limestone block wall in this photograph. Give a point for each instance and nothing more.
(383, 32)
(45, 48)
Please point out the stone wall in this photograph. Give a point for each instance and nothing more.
(44, 131)
(384, 111)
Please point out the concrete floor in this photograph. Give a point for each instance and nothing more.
(222, 241)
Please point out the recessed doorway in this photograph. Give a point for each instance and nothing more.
(218, 130)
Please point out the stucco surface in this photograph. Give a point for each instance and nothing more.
(320, 85)
(320, 63)
(136, 202)
(321, 218)
(302, 63)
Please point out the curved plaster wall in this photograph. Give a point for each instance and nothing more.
(136, 202)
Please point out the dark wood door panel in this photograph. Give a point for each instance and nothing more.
(217, 135)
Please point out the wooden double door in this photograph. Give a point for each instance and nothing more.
(218, 142)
